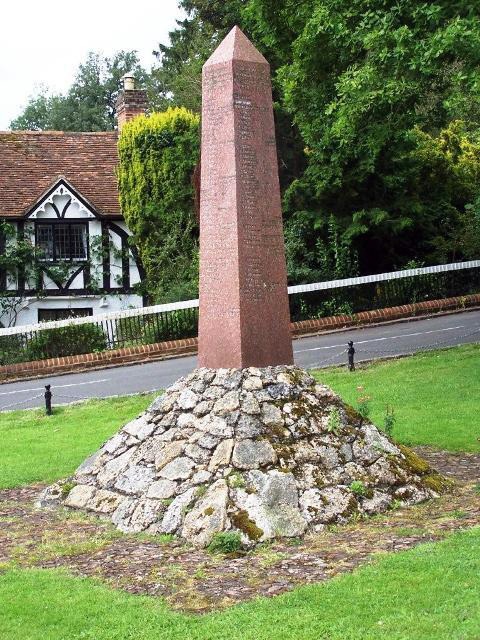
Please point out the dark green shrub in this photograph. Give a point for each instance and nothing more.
(65, 341)
(179, 325)
(363, 407)
(11, 349)
(172, 325)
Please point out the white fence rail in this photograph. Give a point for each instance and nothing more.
(100, 317)
(191, 304)
(382, 277)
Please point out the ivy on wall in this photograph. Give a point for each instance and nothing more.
(157, 159)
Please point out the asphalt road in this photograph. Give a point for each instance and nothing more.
(313, 352)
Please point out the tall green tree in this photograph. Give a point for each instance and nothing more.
(360, 78)
(89, 104)
(176, 79)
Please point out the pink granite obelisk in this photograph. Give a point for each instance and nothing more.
(244, 313)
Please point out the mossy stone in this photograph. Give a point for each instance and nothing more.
(437, 483)
(241, 521)
(413, 462)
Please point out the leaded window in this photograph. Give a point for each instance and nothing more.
(45, 241)
(62, 241)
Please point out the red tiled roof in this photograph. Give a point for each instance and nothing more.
(31, 161)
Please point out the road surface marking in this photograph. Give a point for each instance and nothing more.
(403, 335)
(57, 386)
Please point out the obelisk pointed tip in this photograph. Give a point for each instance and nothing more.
(235, 46)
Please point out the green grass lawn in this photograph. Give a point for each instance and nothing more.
(429, 593)
(40, 448)
(435, 396)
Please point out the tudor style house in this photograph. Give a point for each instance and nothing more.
(58, 190)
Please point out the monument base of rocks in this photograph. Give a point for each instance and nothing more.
(265, 452)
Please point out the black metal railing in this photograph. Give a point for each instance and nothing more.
(388, 293)
(155, 327)
(98, 335)
(180, 320)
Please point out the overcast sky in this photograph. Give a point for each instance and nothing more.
(43, 41)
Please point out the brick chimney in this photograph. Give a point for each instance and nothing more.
(131, 102)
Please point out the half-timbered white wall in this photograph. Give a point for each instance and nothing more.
(134, 272)
(112, 289)
(99, 304)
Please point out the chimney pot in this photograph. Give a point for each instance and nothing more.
(131, 102)
(128, 82)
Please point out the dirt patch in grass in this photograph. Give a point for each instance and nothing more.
(464, 467)
(194, 580)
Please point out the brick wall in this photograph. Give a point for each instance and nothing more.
(162, 350)
(384, 315)
(130, 104)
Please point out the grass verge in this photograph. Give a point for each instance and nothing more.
(40, 448)
(431, 592)
(435, 396)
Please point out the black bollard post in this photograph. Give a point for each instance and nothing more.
(48, 400)
(351, 353)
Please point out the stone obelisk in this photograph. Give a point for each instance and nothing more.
(244, 313)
